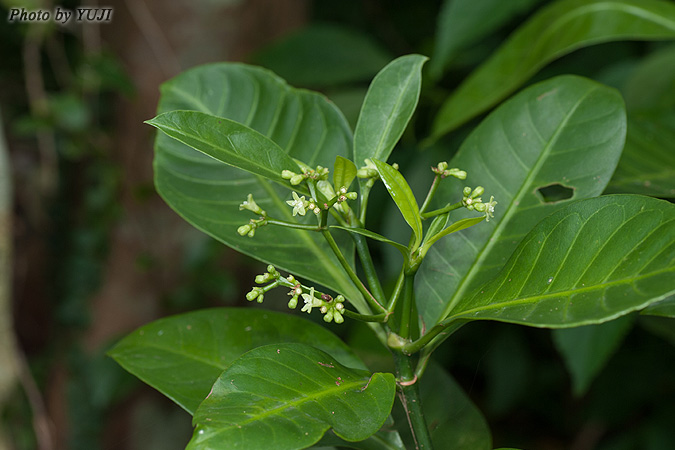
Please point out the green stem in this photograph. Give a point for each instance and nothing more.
(444, 327)
(365, 317)
(368, 266)
(297, 226)
(350, 272)
(443, 210)
(407, 307)
(365, 193)
(398, 289)
(412, 405)
(430, 194)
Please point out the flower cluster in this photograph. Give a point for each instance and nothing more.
(331, 308)
(320, 173)
(472, 201)
(442, 170)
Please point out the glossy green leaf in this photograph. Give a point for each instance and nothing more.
(590, 262)
(227, 141)
(556, 30)
(324, 55)
(385, 439)
(287, 396)
(389, 104)
(207, 193)
(568, 132)
(586, 350)
(378, 237)
(403, 197)
(181, 356)
(454, 422)
(344, 172)
(461, 23)
(664, 308)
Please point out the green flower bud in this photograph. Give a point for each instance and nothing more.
(459, 174)
(271, 269)
(287, 174)
(255, 292)
(293, 302)
(480, 207)
(328, 317)
(297, 179)
(244, 229)
(264, 278)
(352, 195)
(442, 166)
(337, 317)
(251, 233)
(260, 298)
(478, 192)
(467, 191)
(339, 306)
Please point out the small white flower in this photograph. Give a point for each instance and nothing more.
(298, 203)
(309, 301)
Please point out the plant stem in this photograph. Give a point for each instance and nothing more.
(368, 266)
(407, 306)
(443, 210)
(297, 226)
(398, 289)
(410, 398)
(446, 328)
(350, 272)
(365, 317)
(430, 194)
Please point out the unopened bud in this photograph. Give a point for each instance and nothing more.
(287, 174)
(297, 179)
(244, 229)
(328, 317)
(293, 302)
(478, 192)
(337, 317)
(467, 191)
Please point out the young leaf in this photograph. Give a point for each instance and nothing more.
(389, 104)
(286, 396)
(590, 262)
(403, 196)
(586, 350)
(182, 356)
(227, 141)
(207, 193)
(344, 172)
(566, 132)
(460, 225)
(556, 30)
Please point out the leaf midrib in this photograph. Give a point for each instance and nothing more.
(565, 293)
(492, 239)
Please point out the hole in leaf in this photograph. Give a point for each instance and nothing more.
(555, 193)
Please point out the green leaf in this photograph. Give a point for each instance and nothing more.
(181, 356)
(403, 196)
(566, 132)
(664, 308)
(462, 23)
(344, 172)
(389, 104)
(647, 164)
(590, 262)
(454, 422)
(287, 396)
(378, 237)
(385, 439)
(207, 193)
(586, 350)
(460, 225)
(556, 30)
(227, 141)
(324, 55)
